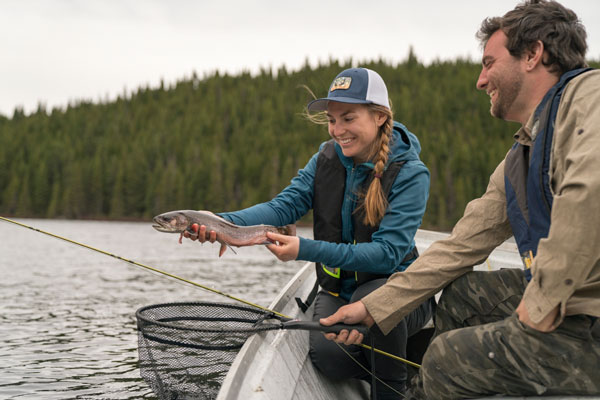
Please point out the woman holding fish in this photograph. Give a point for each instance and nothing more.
(368, 189)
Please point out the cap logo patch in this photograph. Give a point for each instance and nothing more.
(343, 82)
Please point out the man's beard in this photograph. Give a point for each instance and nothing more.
(508, 90)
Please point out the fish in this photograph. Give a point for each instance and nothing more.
(228, 234)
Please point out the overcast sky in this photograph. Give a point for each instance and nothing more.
(59, 51)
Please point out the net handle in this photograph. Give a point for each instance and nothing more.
(316, 326)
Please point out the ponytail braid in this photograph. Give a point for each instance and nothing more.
(376, 202)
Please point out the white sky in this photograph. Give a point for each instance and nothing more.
(59, 51)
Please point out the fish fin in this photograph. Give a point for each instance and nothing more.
(234, 252)
(180, 238)
(222, 249)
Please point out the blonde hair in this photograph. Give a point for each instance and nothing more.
(375, 201)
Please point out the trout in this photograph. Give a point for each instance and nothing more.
(228, 234)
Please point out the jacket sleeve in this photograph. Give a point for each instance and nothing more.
(394, 238)
(568, 258)
(287, 207)
(483, 227)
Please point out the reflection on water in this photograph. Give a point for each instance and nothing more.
(67, 314)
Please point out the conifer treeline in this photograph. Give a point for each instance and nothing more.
(225, 142)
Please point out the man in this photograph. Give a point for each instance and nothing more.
(517, 332)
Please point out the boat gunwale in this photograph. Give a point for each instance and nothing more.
(232, 384)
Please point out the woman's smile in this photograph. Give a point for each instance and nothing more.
(354, 128)
(344, 141)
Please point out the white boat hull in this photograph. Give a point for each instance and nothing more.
(275, 365)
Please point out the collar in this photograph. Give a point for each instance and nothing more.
(527, 133)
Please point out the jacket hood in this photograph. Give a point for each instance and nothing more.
(404, 147)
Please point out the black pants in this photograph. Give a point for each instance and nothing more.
(333, 362)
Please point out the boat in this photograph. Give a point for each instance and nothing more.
(276, 366)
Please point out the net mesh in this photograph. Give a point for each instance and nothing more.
(186, 349)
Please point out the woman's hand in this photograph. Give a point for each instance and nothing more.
(200, 234)
(284, 247)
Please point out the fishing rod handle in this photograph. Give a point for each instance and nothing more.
(316, 326)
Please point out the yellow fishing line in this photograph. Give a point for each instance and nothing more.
(366, 346)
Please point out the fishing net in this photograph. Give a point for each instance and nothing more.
(186, 349)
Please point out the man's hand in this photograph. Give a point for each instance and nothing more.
(287, 247)
(545, 325)
(353, 313)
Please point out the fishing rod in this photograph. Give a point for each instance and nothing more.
(156, 270)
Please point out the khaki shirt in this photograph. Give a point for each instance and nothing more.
(566, 269)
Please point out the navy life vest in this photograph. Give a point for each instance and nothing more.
(329, 188)
(526, 176)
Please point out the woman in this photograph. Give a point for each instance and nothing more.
(368, 191)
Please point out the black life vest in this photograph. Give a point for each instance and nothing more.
(329, 188)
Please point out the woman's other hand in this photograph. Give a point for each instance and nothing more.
(284, 247)
(200, 234)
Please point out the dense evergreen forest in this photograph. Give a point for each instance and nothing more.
(223, 142)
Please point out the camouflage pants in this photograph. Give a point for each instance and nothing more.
(481, 348)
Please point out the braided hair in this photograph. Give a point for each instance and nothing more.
(375, 202)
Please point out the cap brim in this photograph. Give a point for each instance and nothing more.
(321, 104)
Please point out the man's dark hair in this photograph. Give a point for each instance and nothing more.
(556, 26)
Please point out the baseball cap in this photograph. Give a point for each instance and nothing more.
(355, 86)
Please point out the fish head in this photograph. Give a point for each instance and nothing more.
(171, 222)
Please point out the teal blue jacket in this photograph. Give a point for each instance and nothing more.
(390, 243)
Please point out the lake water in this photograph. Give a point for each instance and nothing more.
(67, 314)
